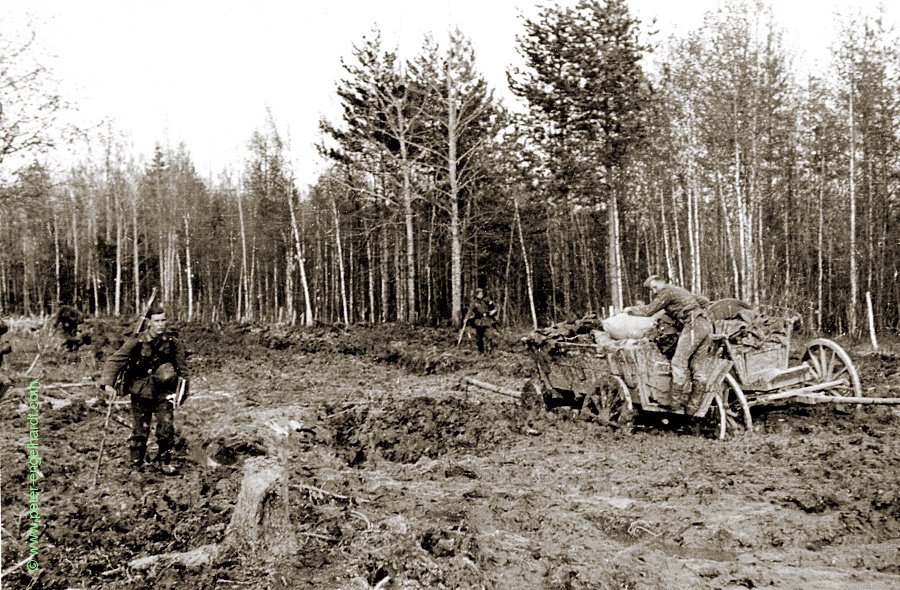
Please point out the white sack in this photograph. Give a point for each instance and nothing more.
(624, 326)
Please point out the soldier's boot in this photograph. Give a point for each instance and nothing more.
(136, 450)
(164, 459)
(693, 397)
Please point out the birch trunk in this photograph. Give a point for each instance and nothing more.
(409, 313)
(75, 249)
(528, 276)
(56, 251)
(136, 261)
(188, 270)
(678, 253)
(119, 244)
(614, 254)
(691, 236)
(665, 232)
(339, 251)
(290, 311)
(429, 279)
(819, 257)
(504, 308)
(742, 231)
(242, 279)
(455, 239)
(308, 319)
(371, 275)
(729, 238)
(851, 314)
(385, 276)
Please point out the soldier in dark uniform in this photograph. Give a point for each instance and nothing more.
(5, 349)
(150, 365)
(482, 314)
(68, 318)
(687, 309)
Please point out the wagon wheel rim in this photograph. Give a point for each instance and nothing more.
(736, 407)
(829, 362)
(716, 421)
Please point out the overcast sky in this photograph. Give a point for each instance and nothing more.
(204, 72)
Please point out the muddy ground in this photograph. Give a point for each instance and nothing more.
(377, 468)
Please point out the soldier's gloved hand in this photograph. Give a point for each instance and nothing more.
(110, 390)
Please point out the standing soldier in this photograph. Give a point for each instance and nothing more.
(5, 349)
(150, 365)
(482, 312)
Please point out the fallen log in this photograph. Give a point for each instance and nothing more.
(491, 387)
(203, 555)
(15, 567)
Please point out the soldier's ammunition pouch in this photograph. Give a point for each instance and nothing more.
(165, 377)
(484, 322)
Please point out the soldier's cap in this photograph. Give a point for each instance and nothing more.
(650, 279)
(156, 308)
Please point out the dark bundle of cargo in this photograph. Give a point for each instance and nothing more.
(752, 329)
(581, 330)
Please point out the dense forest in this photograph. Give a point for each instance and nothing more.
(706, 158)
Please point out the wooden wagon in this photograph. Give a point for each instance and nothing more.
(612, 379)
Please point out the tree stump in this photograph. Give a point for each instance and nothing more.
(261, 521)
(260, 525)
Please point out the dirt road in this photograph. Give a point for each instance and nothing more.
(358, 460)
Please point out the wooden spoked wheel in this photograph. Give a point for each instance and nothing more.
(737, 410)
(532, 394)
(609, 403)
(829, 362)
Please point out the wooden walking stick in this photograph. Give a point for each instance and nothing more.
(109, 407)
(462, 330)
(111, 398)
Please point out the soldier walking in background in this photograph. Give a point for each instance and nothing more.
(5, 349)
(150, 365)
(68, 318)
(482, 313)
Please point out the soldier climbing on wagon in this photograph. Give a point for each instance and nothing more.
(695, 329)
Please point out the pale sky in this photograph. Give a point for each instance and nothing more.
(204, 72)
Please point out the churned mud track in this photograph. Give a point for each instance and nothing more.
(371, 466)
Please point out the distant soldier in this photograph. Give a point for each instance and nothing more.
(150, 365)
(687, 309)
(482, 313)
(68, 318)
(5, 349)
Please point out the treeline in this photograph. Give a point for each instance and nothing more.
(717, 166)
